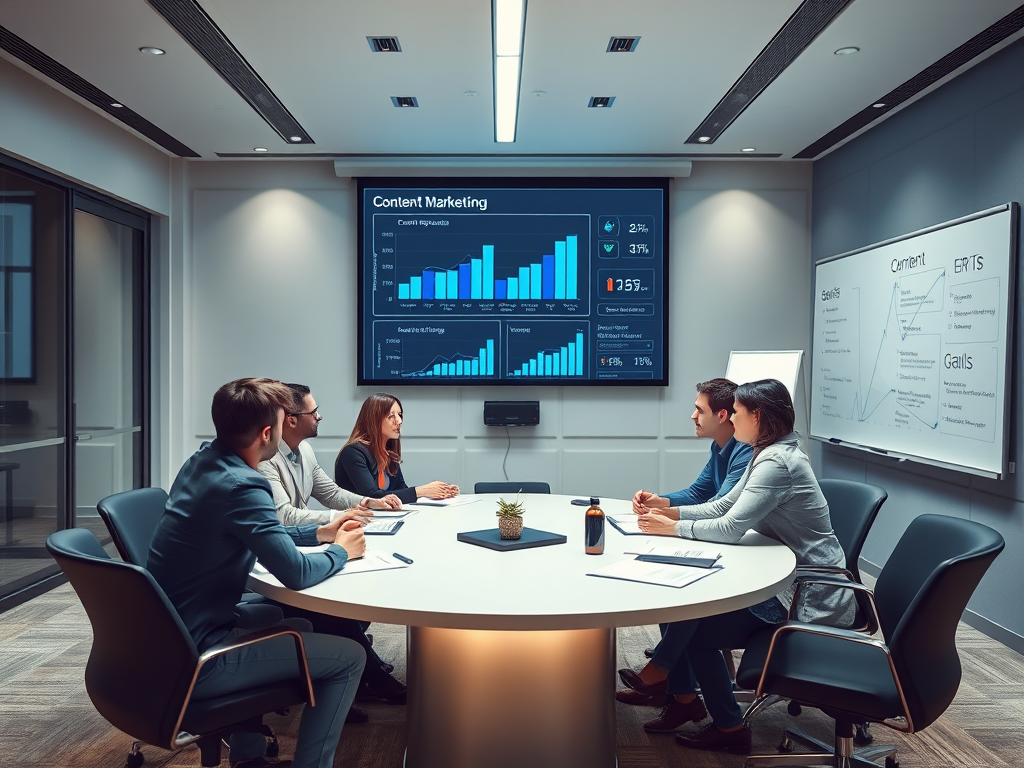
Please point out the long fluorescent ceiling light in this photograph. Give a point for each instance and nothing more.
(508, 21)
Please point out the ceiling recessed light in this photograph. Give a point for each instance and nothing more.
(152, 51)
(470, 94)
(295, 138)
(405, 101)
(601, 101)
(703, 139)
(878, 105)
(116, 104)
(260, 149)
(847, 50)
(540, 94)
(749, 149)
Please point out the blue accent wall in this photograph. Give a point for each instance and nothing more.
(958, 150)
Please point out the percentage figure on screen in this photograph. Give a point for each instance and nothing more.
(638, 228)
(628, 285)
(613, 361)
(639, 248)
(642, 361)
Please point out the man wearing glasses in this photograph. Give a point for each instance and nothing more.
(295, 477)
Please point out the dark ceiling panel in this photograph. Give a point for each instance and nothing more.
(799, 31)
(199, 30)
(57, 72)
(993, 35)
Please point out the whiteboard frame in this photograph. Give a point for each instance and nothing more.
(1008, 358)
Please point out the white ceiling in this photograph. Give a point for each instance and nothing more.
(314, 55)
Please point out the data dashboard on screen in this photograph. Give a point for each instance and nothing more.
(513, 281)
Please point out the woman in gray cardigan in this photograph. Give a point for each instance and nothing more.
(779, 497)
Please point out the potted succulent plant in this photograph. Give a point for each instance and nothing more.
(510, 518)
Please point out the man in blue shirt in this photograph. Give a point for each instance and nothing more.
(220, 517)
(712, 410)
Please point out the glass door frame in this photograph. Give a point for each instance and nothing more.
(105, 208)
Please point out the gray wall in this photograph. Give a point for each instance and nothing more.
(260, 280)
(958, 150)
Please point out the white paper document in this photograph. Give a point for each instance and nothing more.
(654, 573)
(455, 501)
(628, 524)
(671, 550)
(373, 560)
(380, 526)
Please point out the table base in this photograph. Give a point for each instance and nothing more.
(507, 699)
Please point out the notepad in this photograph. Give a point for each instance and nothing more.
(677, 576)
(455, 501)
(671, 555)
(628, 525)
(382, 527)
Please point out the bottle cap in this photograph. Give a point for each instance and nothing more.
(594, 501)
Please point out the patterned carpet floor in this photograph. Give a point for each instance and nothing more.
(47, 721)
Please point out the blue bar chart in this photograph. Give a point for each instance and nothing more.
(437, 350)
(547, 349)
(475, 261)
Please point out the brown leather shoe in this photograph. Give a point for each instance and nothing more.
(629, 696)
(736, 742)
(675, 714)
(631, 679)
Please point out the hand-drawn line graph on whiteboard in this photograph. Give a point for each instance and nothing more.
(908, 353)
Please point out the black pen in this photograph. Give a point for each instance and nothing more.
(403, 558)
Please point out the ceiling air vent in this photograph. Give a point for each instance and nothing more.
(404, 101)
(622, 44)
(601, 101)
(384, 44)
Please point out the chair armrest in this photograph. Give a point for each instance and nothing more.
(803, 571)
(250, 638)
(846, 635)
(865, 596)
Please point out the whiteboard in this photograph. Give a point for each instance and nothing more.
(745, 367)
(911, 344)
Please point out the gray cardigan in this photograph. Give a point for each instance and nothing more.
(778, 496)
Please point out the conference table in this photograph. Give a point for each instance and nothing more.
(511, 655)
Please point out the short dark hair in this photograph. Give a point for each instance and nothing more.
(299, 392)
(720, 394)
(774, 407)
(243, 407)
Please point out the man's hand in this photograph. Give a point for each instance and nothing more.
(657, 525)
(645, 501)
(388, 502)
(360, 514)
(350, 538)
(325, 533)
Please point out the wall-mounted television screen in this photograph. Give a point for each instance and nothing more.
(513, 281)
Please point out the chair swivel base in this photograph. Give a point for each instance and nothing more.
(842, 755)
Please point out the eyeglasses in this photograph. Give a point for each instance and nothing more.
(306, 413)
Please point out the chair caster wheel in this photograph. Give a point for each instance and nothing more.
(794, 708)
(892, 762)
(134, 760)
(862, 736)
(786, 746)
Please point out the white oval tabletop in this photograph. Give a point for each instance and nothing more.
(456, 585)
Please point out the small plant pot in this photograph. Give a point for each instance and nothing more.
(510, 527)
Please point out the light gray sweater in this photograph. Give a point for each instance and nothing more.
(778, 496)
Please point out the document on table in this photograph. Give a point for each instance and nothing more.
(654, 573)
(373, 560)
(670, 550)
(455, 501)
(628, 524)
(381, 526)
(391, 514)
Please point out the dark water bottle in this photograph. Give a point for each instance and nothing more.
(594, 544)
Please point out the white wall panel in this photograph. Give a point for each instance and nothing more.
(615, 412)
(613, 472)
(680, 466)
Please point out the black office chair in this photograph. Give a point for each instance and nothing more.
(905, 681)
(853, 507)
(132, 517)
(509, 487)
(143, 664)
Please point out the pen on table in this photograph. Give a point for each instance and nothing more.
(403, 558)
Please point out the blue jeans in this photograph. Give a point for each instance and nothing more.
(335, 664)
(698, 646)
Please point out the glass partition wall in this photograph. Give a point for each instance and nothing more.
(73, 362)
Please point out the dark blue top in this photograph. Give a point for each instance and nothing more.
(725, 467)
(220, 517)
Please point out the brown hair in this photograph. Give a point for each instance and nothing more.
(770, 399)
(243, 407)
(720, 394)
(387, 453)
(299, 392)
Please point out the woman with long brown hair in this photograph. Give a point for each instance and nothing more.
(370, 464)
